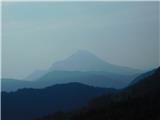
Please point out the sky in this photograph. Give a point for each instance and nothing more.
(37, 34)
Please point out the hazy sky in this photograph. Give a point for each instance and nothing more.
(36, 34)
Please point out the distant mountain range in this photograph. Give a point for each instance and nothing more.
(97, 79)
(83, 67)
(27, 104)
(139, 101)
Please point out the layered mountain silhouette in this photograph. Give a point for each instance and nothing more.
(83, 67)
(27, 104)
(139, 101)
(97, 79)
(137, 98)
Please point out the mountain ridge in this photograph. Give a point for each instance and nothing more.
(97, 79)
(31, 103)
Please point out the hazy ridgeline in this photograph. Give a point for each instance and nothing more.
(112, 72)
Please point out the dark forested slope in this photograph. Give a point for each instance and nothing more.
(140, 101)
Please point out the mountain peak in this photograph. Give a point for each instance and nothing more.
(82, 55)
(83, 60)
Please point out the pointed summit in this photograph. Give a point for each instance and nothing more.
(83, 56)
(83, 60)
(80, 61)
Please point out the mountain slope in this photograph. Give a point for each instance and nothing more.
(36, 75)
(140, 101)
(142, 76)
(26, 104)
